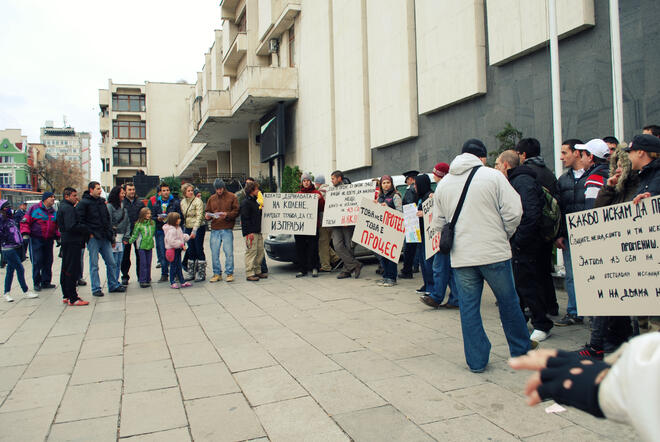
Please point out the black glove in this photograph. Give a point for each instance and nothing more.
(582, 391)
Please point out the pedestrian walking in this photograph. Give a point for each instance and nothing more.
(175, 241)
(160, 208)
(121, 225)
(251, 229)
(143, 237)
(12, 252)
(73, 234)
(481, 251)
(94, 215)
(133, 206)
(193, 219)
(40, 225)
(222, 208)
(307, 252)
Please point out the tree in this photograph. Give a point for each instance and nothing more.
(57, 173)
(508, 137)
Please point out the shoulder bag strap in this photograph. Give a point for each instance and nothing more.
(461, 200)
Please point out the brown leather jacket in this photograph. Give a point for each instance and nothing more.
(228, 203)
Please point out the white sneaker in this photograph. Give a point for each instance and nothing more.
(31, 295)
(538, 335)
(8, 298)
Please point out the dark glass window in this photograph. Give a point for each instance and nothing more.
(123, 157)
(129, 129)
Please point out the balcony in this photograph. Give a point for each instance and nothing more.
(104, 98)
(284, 13)
(235, 54)
(230, 9)
(258, 88)
(104, 123)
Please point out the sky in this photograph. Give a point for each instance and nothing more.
(56, 55)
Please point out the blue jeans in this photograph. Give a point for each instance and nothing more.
(41, 252)
(470, 284)
(175, 268)
(426, 266)
(14, 264)
(118, 257)
(160, 252)
(571, 306)
(443, 275)
(224, 238)
(389, 268)
(104, 248)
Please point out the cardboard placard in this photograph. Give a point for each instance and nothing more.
(413, 232)
(292, 213)
(615, 253)
(379, 229)
(342, 204)
(431, 235)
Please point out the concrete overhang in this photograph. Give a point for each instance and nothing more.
(236, 52)
(283, 22)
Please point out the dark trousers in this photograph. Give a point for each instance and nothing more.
(307, 252)
(409, 253)
(144, 266)
(389, 268)
(426, 266)
(527, 275)
(609, 332)
(175, 268)
(70, 270)
(544, 259)
(13, 260)
(264, 266)
(342, 239)
(195, 250)
(126, 261)
(42, 261)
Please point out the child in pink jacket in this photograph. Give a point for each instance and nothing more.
(175, 242)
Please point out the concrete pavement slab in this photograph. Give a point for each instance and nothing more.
(468, 429)
(43, 392)
(223, 418)
(150, 411)
(50, 364)
(17, 355)
(9, 376)
(206, 380)
(270, 384)
(146, 352)
(340, 392)
(185, 335)
(97, 370)
(197, 353)
(443, 375)
(368, 366)
(175, 435)
(98, 348)
(26, 425)
(153, 375)
(102, 429)
(60, 344)
(332, 342)
(380, 424)
(89, 401)
(245, 357)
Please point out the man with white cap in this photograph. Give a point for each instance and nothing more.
(594, 159)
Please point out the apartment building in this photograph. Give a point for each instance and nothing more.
(67, 144)
(143, 128)
(382, 86)
(14, 168)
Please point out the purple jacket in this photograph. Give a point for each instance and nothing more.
(10, 235)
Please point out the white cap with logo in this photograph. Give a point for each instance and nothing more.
(596, 147)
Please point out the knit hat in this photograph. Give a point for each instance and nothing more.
(475, 147)
(218, 184)
(46, 195)
(305, 176)
(319, 179)
(441, 169)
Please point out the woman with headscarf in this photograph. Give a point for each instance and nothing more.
(423, 189)
(389, 197)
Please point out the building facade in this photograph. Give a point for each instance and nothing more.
(143, 128)
(382, 86)
(14, 169)
(67, 144)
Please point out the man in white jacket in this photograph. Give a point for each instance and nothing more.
(481, 251)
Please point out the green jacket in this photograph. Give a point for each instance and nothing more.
(143, 233)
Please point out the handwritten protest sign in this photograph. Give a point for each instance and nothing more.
(616, 259)
(343, 203)
(413, 233)
(431, 236)
(380, 229)
(294, 213)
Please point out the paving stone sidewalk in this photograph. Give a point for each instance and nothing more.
(283, 359)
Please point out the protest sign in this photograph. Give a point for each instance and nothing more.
(293, 213)
(413, 233)
(431, 236)
(615, 258)
(379, 229)
(343, 203)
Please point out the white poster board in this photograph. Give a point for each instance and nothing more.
(616, 259)
(431, 235)
(292, 213)
(379, 229)
(343, 203)
(413, 232)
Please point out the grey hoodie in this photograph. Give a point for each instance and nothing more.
(490, 215)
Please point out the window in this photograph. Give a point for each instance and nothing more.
(6, 159)
(123, 156)
(129, 129)
(292, 47)
(6, 179)
(131, 103)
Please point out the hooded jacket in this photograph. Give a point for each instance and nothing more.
(649, 178)
(40, 222)
(596, 178)
(527, 237)
(158, 207)
(491, 213)
(121, 223)
(544, 175)
(250, 216)
(571, 196)
(143, 234)
(95, 217)
(68, 222)
(423, 185)
(626, 187)
(10, 235)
